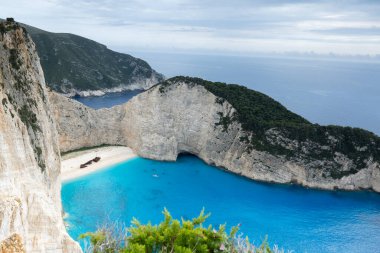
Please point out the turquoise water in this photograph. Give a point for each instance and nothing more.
(295, 218)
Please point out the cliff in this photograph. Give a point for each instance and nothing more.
(30, 202)
(257, 137)
(75, 65)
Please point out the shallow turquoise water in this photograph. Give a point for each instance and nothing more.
(295, 218)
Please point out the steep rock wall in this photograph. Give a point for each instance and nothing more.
(187, 118)
(30, 201)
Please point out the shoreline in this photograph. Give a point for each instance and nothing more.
(110, 155)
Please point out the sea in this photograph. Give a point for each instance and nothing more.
(325, 91)
(294, 218)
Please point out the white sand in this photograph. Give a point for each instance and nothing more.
(109, 156)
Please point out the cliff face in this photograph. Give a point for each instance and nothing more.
(30, 203)
(80, 126)
(187, 118)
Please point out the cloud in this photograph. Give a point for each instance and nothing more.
(240, 27)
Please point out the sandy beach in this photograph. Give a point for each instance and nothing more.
(109, 155)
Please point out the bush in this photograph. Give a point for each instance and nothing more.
(171, 235)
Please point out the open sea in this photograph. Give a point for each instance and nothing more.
(324, 91)
(295, 218)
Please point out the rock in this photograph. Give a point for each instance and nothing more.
(30, 201)
(12, 244)
(184, 119)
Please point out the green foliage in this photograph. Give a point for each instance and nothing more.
(172, 235)
(255, 109)
(109, 238)
(97, 238)
(41, 163)
(224, 121)
(13, 59)
(258, 113)
(8, 25)
(29, 118)
(3, 29)
(84, 63)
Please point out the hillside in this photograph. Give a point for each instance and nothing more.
(272, 128)
(229, 126)
(73, 64)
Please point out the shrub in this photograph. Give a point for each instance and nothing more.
(171, 235)
(109, 238)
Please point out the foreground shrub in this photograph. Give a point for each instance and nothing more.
(171, 236)
(109, 238)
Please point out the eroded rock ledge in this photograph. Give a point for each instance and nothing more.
(183, 116)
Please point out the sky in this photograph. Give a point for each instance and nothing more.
(233, 27)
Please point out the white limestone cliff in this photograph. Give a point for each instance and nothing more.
(183, 119)
(30, 201)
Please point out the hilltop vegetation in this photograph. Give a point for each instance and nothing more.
(264, 119)
(73, 62)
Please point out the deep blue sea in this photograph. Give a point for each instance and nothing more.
(293, 217)
(108, 100)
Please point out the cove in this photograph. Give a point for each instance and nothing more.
(295, 218)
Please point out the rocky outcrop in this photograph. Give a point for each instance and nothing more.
(166, 121)
(80, 126)
(30, 202)
(12, 244)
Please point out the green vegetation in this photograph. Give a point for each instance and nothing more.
(29, 118)
(8, 25)
(41, 163)
(71, 61)
(224, 121)
(171, 235)
(3, 29)
(13, 59)
(259, 113)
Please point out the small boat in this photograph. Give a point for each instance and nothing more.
(155, 175)
(84, 165)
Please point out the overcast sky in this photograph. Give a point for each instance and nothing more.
(205, 26)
